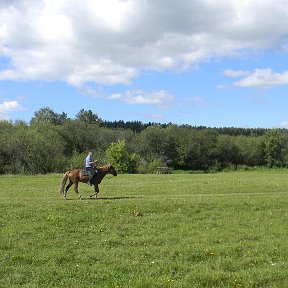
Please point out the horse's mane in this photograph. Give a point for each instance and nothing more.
(105, 168)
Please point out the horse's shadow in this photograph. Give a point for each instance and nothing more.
(117, 198)
(113, 198)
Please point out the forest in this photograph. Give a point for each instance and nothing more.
(53, 143)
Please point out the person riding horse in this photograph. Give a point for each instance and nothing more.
(76, 175)
(90, 166)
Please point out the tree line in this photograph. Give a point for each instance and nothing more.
(52, 142)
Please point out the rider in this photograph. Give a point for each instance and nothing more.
(90, 166)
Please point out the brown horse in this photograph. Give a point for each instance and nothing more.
(76, 175)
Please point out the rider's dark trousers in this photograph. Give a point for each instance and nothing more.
(92, 171)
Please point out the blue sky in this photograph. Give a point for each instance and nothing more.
(212, 63)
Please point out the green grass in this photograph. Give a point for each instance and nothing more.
(201, 230)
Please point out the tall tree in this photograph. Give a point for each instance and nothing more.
(88, 117)
(47, 115)
(276, 149)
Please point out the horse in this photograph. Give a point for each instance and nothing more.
(77, 175)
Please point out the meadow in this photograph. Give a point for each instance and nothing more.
(187, 230)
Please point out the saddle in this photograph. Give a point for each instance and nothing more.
(85, 172)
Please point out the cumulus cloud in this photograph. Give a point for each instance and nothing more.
(113, 41)
(200, 101)
(9, 106)
(235, 73)
(259, 78)
(283, 124)
(160, 98)
(156, 117)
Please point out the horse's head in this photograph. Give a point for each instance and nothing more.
(112, 170)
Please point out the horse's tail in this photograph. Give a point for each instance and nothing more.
(64, 180)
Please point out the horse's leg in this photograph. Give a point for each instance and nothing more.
(67, 188)
(96, 191)
(76, 189)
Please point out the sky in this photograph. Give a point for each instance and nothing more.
(198, 62)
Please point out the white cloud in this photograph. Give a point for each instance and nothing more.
(200, 101)
(284, 124)
(112, 41)
(260, 78)
(235, 73)
(157, 98)
(156, 117)
(9, 106)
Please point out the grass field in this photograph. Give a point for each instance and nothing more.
(202, 230)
